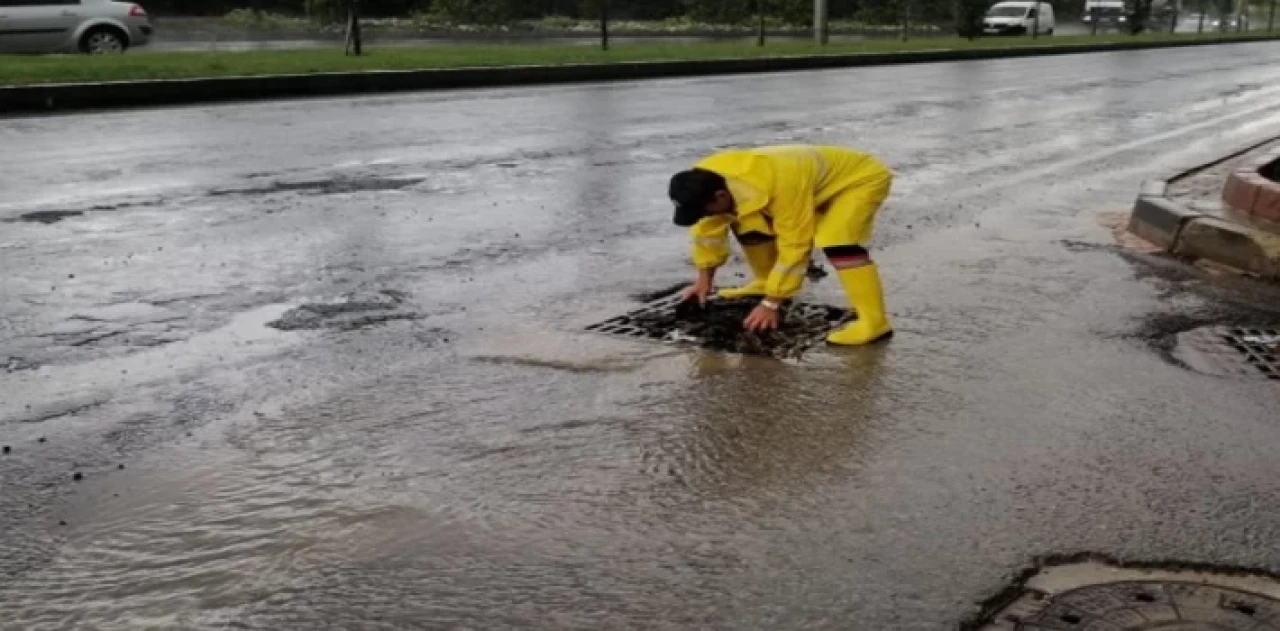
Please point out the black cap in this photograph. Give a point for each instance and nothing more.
(691, 192)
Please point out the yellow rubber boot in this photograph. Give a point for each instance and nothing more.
(866, 295)
(760, 258)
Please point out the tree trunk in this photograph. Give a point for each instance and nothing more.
(604, 24)
(355, 45)
(759, 22)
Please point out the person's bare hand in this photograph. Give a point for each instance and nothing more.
(761, 318)
(701, 288)
(696, 292)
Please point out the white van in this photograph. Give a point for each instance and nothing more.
(1107, 12)
(1018, 18)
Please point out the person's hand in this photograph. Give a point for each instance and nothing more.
(762, 318)
(701, 288)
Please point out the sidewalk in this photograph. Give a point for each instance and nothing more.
(1227, 211)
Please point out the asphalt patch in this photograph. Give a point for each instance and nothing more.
(355, 312)
(45, 216)
(16, 364)
(58, 409)
(326, 186)
(718, 325)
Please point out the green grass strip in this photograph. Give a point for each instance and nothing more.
(141, 64)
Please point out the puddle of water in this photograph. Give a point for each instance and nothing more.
(1100, 593)
(375, 492)
(245, 334)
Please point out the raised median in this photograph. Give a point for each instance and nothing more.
(142, 78)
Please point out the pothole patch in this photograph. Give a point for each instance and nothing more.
(1231, 351)
(17, 364)
(56, 215)
(325, 186)
(45, 216)
(1098, 596)
(351, 313)
(719, 326)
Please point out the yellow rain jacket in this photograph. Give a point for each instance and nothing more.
(780, 191)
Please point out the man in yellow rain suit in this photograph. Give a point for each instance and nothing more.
(779, 202)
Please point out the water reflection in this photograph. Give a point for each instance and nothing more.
(758, 428)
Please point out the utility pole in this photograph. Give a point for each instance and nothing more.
(1200, 29)
(1271, 21)
(820, 22)
(1035, 21)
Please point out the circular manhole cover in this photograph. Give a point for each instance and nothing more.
(1097, 597)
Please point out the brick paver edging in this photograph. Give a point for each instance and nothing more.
(1254, 189)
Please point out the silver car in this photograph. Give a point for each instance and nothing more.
(63, 26)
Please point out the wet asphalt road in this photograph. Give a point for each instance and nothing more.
(456, 453)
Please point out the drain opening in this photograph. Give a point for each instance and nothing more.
(719, 326)
(1095, 595)
(1231, 351)
(1260, 348)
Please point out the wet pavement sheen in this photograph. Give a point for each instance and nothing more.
(479, 461)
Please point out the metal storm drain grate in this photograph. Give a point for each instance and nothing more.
(1232, 351)
(719, 326)
(1094, 596)
(1259, 347)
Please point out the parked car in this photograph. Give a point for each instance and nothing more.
(1018, 18)
(1231, 23)
(63, 26)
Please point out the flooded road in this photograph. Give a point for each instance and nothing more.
(426, 438)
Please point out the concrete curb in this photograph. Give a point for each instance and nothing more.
(1234, 244)
(1186, 232)
(51, 97)
(1160, 220)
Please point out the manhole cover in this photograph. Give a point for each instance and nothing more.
(719, 327)
(1094, 596)
(1232, 351)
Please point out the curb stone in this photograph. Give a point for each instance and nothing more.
(1232, 244)
(1185, 232)
(1159, 220)
(72, 96)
